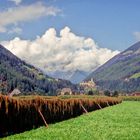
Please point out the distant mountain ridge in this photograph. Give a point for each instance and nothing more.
(78, 76)
(122, 72)
(74, 76)
(15, 73)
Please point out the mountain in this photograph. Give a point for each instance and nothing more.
(121, 73)
(78, 76)
(74, 76)
(15, 73)
(61, 74)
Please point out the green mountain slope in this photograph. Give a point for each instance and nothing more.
(15, 73)
(121, 73)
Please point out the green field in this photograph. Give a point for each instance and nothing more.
(120, 122)
(136, 75)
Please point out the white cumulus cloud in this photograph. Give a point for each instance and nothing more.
(25, 13)
(65, 51)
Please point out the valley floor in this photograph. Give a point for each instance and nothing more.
(119, 122)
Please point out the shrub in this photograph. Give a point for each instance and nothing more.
(107, 93)
(115, 94)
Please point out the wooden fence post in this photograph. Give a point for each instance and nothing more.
(99, 106)
(107, 103)
(43, 118)
(84, 108)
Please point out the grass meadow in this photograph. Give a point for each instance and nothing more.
(119, 122)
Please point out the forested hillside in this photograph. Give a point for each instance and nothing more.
(15, 73)
(121, 73)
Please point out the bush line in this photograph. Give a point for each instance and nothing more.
(130, 98)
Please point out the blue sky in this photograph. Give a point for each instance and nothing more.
(111, 23)
(58, 33)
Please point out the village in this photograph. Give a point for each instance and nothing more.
(85, 88)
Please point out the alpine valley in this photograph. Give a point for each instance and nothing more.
(121, 73)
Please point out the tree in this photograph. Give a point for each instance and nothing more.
(107, 93)
(115, 93)
(90, 92)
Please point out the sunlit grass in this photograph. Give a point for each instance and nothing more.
(120, 122)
